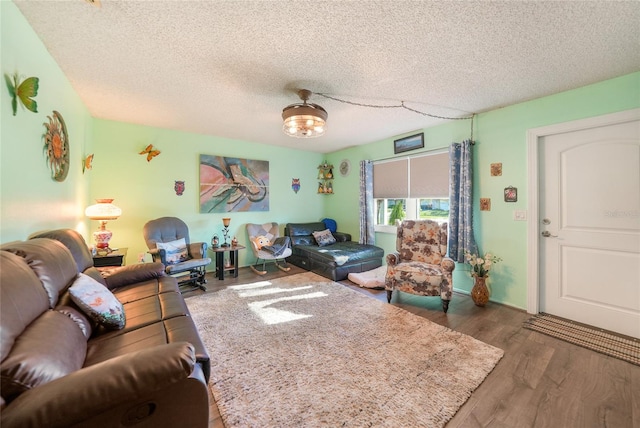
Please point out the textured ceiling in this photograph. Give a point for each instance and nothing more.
(228, 68)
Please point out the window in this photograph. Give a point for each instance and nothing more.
(411, 188)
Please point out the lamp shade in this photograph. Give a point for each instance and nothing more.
(304, 120)
(103, 210)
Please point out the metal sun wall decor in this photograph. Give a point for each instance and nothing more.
(56, 146)
(23, 91)
(233, 184)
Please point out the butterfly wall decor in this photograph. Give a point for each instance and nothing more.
(150, 151)
(24, 92)
(87, 162)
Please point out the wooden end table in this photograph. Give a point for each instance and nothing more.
(233, 260)
(115, 258)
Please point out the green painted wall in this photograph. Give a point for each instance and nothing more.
(145, 190)
(29, 199)
(501, 137)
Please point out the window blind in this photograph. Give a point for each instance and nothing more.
(391, 179)
(429, 176)
(418, 177)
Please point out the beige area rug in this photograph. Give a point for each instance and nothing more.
(303, 351)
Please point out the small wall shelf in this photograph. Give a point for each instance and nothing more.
(325, 179)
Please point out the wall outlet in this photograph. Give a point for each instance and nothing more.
(520, 215)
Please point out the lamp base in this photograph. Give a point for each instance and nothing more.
(102, 238)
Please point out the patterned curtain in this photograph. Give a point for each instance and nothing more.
(367, 232)
(461, 236)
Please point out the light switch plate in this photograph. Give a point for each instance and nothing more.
(520, 215)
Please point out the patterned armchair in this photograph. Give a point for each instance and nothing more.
(420, 265)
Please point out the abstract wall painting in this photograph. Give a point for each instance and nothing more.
(233, 185)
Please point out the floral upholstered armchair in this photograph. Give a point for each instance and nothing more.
(420, 265)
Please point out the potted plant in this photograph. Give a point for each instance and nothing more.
(480, 267)
(397, 213)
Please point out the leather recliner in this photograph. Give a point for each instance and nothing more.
(60, 368)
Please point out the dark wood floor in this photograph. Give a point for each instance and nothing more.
(540, 381)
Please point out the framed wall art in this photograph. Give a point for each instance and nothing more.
(485, 204)
(510, 194)
(233, 184)
(408, 143)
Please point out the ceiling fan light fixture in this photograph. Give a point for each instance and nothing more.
(304, 120)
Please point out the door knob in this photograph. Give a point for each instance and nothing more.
(548, 234)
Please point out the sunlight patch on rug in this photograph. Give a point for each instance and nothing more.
(335, 357)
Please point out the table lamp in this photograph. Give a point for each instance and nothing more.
(225, 230)
(102, 211)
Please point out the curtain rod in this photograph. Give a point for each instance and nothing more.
(417, 155)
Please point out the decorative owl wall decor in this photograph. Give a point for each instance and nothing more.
(295, 184)
(179, 187)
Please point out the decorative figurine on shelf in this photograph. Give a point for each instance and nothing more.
(215, 242)
(320, 187)
(234, 242)
(225, 230)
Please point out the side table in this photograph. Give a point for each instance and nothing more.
(115, 258)
(233, 259)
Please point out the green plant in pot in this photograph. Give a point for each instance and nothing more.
(397, 213)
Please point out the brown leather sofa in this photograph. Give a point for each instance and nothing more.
(59, 368)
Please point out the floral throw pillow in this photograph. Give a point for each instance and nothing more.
(175, 251)
(97, 302)
(324, 238)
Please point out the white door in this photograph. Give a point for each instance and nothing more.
(589, 231)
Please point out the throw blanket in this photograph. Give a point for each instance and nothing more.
(279, 245)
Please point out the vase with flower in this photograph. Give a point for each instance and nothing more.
(480, 267)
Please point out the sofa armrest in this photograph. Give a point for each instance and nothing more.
(393, 258)
(197, 250)
(448, 264)
(121, 383)
(125, 275)
(342, 237)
